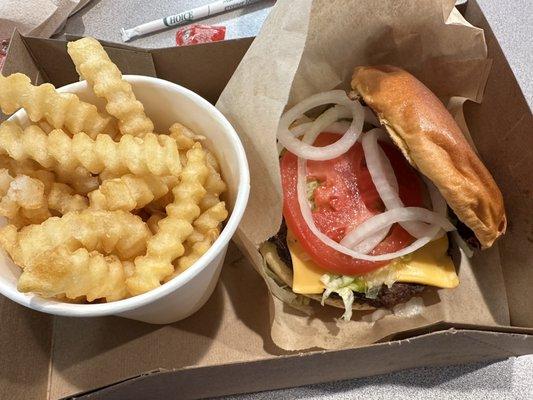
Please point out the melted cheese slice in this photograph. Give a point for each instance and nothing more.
(429, 265)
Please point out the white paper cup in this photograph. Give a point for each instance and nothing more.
(165, 103)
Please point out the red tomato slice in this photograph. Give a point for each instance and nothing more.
(344, 198)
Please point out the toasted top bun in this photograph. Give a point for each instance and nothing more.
(433, 143)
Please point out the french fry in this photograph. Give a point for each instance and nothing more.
(32, 143)
(116, 232)
(94, 65)
(75, 274)
(23, 144)
(22, 195)
(206, 231)
(63, 199)
(60, 197)
(129, 192)
(167, 244)
(153, 221)
(60, 110)
(184, 137)
(80, 179)
(157, 155)
(214, 184)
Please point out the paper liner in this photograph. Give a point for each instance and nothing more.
(310, 46)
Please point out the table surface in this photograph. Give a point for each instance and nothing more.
(508, 379)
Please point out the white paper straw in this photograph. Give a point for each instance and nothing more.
(184, 18)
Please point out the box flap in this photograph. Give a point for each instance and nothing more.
(89, 393)
(427, 350)
(18, 58)
(502, 129)
(178, 65)
(208, 77)
(53, 60)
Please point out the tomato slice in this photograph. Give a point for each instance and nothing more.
(344, 196)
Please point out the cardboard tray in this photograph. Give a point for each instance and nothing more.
(226, 348)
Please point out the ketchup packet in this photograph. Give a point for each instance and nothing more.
(4, 44)
(196, 34)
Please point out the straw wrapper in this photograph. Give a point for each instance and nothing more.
(307, 47)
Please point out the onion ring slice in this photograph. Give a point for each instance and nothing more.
(308, 151)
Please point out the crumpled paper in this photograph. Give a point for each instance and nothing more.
(39, 18)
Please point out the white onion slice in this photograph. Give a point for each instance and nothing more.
(306, 149)
(437, 202)
(368, 244)
(411, 308)
(327, 118)
(380, 167)
(386, 219)
(339, 127)
(385, 181)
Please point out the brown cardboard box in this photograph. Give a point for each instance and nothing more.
(226, 347)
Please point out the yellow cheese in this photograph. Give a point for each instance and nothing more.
(306, 273)
(429, 265)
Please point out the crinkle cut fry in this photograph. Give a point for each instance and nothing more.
(207, 225)
(60, 110)
(75, 274)
(214, 184)
(167, 244)
(153, 221)
(79, 179)
(61, 197)
(155, 154)
(116, 232)
(130, 192)
(22, 198)
(94, 65)
(32, 143)
(206, 231)
(184, 137)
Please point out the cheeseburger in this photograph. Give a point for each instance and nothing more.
(371, 189)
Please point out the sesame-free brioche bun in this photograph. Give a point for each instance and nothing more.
(433, 143)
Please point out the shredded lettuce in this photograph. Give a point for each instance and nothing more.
(310, 189)
(344, 286)
(369, 284)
